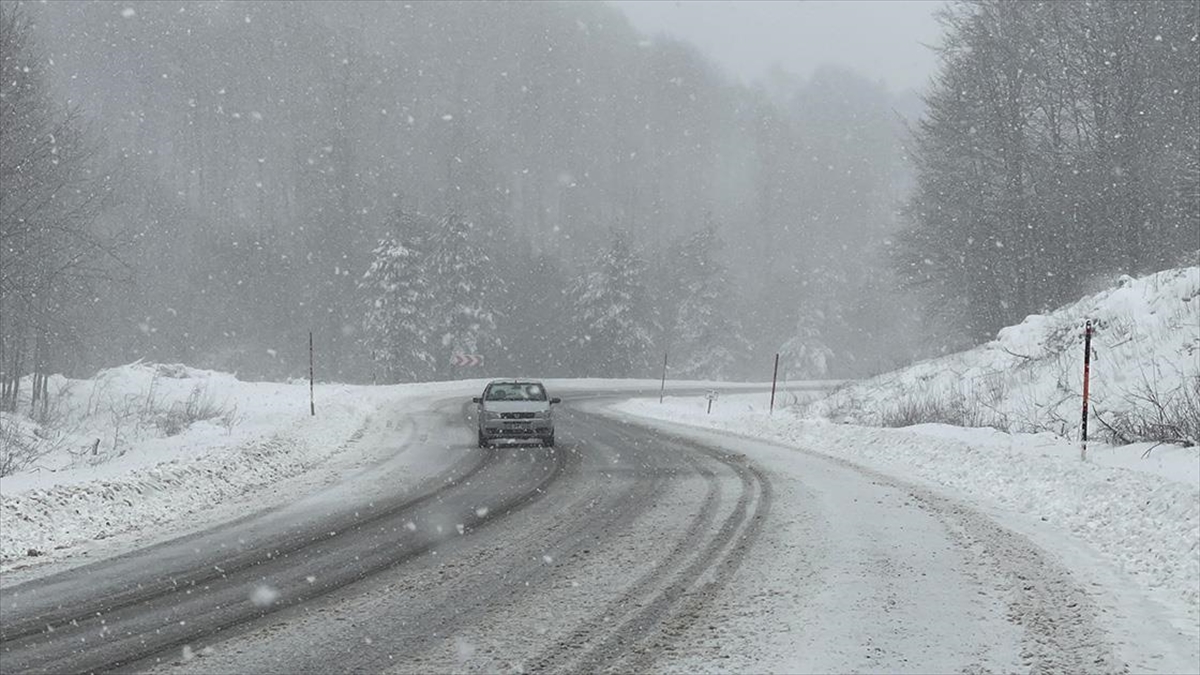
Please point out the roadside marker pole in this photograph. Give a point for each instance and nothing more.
(312, 405)
(663, 387)
(1087, 363)
(774, 377)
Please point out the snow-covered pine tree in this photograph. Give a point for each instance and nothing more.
(466, 290)
(704, 335)
(397, 326)
(613, 320)
(806, 355)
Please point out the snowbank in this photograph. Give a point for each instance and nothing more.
(1029, 379)
(145, 447)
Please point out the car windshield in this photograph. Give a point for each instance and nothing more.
(516, 391)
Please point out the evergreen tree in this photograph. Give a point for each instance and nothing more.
(466, 291)
(703, 333)
(397, 326)
(807, 355)
(613, 319)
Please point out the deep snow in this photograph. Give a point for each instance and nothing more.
(146, 486)
(1029, 379)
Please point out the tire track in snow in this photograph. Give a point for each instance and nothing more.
(625, 638)
(422, 613)
(37, 643)
(1056, 615)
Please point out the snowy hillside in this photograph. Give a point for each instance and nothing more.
(144, 449)
(1146, 354)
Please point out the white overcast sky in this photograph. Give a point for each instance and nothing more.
(881, 39)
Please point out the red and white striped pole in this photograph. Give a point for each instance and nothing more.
(1087, 364)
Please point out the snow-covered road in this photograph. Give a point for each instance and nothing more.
(629, 547)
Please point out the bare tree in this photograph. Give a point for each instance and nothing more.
(51, 194)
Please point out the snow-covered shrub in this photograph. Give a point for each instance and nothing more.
(1156, 415)
(937, 408)
(1143, 375)
(199, 406)
(19, 446)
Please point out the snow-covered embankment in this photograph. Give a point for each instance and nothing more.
(146, 450)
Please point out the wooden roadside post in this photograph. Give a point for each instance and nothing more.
(774, 378)
(663, 387)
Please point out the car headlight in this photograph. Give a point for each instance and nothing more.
(489, 415)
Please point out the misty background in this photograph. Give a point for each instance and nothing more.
(568, 195)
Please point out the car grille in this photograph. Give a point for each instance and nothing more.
(516, 416)
(518, 432)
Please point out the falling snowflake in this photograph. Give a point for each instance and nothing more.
(264, 596)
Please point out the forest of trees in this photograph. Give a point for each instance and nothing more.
(1061, 144)
(541, 184)
(52, 190)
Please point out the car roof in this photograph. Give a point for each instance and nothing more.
(514, 381)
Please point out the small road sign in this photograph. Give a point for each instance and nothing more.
(467, 359)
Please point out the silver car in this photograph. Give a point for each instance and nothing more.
(515, 409)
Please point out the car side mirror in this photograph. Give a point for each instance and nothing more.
(477, 399)
(555, 400)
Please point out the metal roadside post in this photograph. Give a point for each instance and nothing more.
(312, 404)
(774, 377)
(1087, 363)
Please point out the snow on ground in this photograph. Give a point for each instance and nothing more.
(1141, 514)
(144, 452)
(128, 454)
(1029, 379)
(1128, 517)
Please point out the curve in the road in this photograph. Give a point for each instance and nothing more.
(618, 635)
(151, 613)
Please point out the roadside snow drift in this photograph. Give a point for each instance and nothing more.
(144, 447)
(1146, 354)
